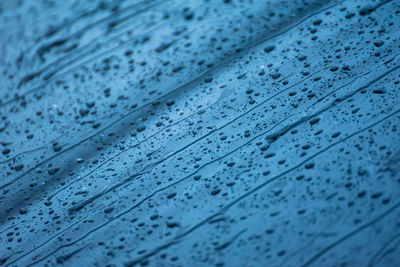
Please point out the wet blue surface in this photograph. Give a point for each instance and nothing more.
(200, 133)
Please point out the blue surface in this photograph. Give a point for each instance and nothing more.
(200, 133)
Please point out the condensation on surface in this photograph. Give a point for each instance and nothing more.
(200, 133)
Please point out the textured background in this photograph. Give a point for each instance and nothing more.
(200, 133)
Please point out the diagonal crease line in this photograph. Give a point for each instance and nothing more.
(176, 89)
(78, 53)
(136, 145)
(229, 59)
(350, 234)
(272, 137)
(257, 188)
(241, 197)
(378, 255)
